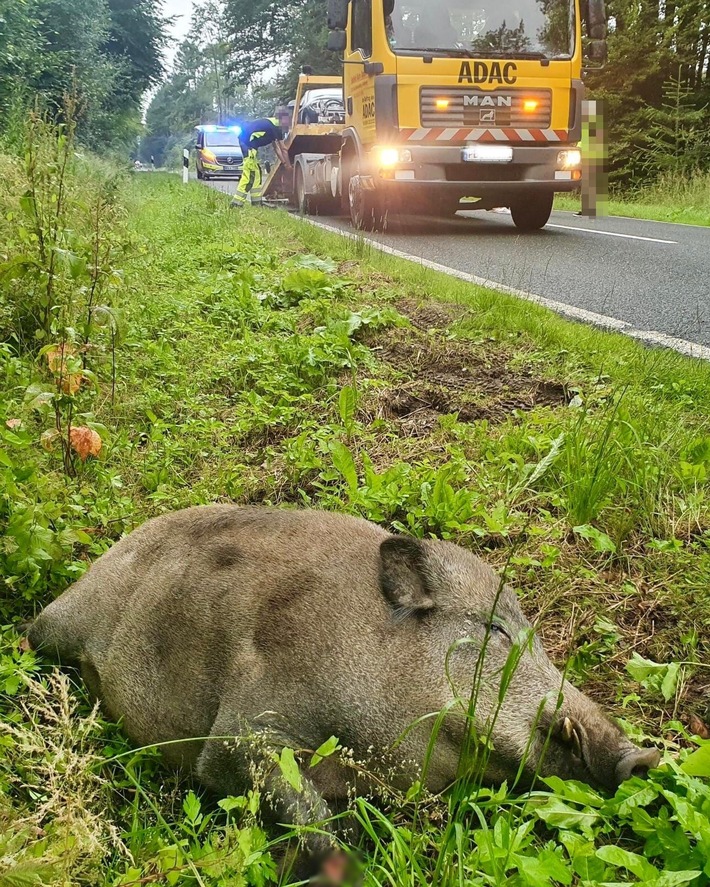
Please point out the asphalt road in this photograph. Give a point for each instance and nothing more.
(650, 280)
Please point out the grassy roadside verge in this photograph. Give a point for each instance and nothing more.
(673, 200)
(264, 360)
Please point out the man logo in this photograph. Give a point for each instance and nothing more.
(488, 101)
(488, 116)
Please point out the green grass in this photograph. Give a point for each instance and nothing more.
(263, 360)
(673, 199)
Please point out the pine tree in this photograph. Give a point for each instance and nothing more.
(676, 134)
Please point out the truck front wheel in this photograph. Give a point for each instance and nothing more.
(532, 213)
(367, 211)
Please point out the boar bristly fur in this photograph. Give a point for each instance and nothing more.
(283, 628)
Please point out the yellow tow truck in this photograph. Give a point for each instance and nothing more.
(446, 105)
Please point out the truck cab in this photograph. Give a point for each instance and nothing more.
(459, 100)
(448, 105)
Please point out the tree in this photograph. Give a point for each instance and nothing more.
(106, 53)
(136, 41)
(265, 35)
(72, 35)
(200, 89)
(650, 44)
(676, 136)
(19, 48)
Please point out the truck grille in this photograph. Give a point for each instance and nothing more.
(485, 108)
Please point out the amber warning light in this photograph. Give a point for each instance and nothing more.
(442, 104)
(530, 105)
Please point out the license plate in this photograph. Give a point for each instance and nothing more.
(488, 154)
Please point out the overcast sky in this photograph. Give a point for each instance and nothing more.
(183, 10)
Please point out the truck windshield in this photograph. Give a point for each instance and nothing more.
(492, 29)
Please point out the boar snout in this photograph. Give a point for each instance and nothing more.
(637, 762)
(602, 749)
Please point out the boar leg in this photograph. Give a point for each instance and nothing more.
(229, 767)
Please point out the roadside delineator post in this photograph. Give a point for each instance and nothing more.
(185, 166)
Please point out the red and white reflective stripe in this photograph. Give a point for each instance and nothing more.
(484, 135)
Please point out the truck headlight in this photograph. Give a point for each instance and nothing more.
(390, 157)
(569, 159)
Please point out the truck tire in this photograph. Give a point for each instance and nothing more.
(367, 209)
(313, 204)
(200, 175)
(532, 213)
(302, 201)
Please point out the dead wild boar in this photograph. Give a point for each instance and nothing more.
(290, 627)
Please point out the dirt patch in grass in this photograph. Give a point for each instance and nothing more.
(438, 376)
(431, 315)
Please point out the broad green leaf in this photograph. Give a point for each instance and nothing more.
(642, 669)
(191, 807)
(18, 267)
(305, 282)
(583, 854)
(28, 205)
(326, 265)
(72, 537)
(414, 791)
(329, 747)
(555, 812)
(544, 868)
(655, 675)
(28, 874)
(634, 863)
(698, 764)
(688, 815)
(229, 804)
(671, 879)
(670, 681)
(289, 768)
(600, 541)
(345, 464)
(347, 405)
(634, 793)
(577, 792)
(38, 396)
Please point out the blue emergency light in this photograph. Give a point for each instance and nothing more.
(210, 127)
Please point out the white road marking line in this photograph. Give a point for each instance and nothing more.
(612, 234)
(649, 337)
(698, 225)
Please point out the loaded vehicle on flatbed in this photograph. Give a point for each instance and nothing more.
(447, 105)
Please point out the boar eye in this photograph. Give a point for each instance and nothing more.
(497, 629)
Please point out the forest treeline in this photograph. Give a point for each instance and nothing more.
(107, 54)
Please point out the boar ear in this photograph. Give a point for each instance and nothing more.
(403, 576)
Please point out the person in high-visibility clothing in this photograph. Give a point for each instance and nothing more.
(258, 134)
